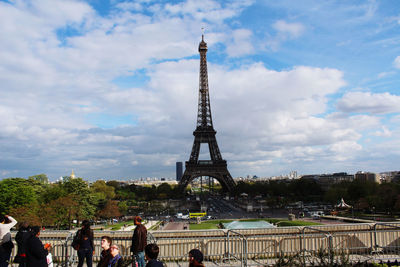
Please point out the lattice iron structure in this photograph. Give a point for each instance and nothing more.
(205, 133)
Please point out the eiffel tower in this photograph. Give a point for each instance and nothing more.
(205, 133)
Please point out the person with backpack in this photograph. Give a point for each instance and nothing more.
(22, 235)
(85, 245)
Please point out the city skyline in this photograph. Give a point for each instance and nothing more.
(110, 88)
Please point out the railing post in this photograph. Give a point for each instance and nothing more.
(66, 259)
(373, 238)
(243, 258)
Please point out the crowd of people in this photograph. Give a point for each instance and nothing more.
(31, 252)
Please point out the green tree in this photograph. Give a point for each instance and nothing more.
(100, 187)
(54, 191)
(337, 192)
(65, 209)
(164, 190)
(16, 192)
(87, 202)
(42, 178)
(123, 207)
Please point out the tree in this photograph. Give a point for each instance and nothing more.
(53, 191)
(16, 192)
(114, 184)
(26, 213)
(65, 209)
(164, 190)
(123, 207)
(110, 210)
(42, 178)
(100, 187)
(86, 201)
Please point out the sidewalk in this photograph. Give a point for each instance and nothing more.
(148, 225)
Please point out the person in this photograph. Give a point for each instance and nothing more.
(35, 252)
(49, 257)
(116, 259)
(139, 241)
(151, 253)
(105, 255)
(195, 258)
(6, 245)
(86, 244)
(22, 235)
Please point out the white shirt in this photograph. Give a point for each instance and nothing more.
(6, 227)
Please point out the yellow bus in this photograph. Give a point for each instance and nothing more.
(197, 214)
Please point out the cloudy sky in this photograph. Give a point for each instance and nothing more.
(110, 88)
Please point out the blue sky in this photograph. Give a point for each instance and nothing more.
(109, 88)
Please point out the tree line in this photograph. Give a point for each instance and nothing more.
(58, 204)
(362, 195)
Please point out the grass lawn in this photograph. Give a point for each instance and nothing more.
(213, 224)
(118, 226)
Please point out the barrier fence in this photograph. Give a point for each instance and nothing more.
(302, 246)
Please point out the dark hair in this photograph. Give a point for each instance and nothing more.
(85, 228)
(151, 251)
(106, 237)
(197, 255)
(35, 230)
(2, 218)
(23, 226)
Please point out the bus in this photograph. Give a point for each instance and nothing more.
(197, 214)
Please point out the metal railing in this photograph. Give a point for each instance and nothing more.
(303, 245)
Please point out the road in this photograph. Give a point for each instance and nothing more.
(177, 226)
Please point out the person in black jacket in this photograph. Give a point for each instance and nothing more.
(139, 241)
(35, 251)
(86, 244)
(151, 253)
(22, 235)
(105, 255)
(196, 258)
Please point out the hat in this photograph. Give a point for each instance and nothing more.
(47, 245)
(197, 255)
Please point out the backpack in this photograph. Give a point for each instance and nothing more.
(76, 241)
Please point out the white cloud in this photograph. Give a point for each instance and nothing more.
(375, 103)
(385, 132)
(240, 44)
(285, 31)
(290, 30)
(397, 62)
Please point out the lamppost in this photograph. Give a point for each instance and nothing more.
(373, 212)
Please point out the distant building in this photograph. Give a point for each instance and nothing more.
(327, 180)
(72, 175)
(392, 176)
(179, 171)
(293, 175)
(368, 176)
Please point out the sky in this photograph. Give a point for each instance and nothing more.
(109, 88)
